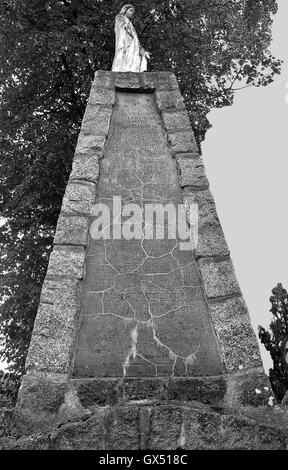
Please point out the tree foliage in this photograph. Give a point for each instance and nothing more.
(276, 341)
(50, 50)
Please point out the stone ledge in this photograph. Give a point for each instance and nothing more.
(90, 145)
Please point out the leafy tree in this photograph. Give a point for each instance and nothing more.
(9, 384)
(50, 50)
(276, 341)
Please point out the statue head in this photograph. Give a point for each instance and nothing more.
(127, 10)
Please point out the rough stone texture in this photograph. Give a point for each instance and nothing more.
(53, 338)
(143, 308)
(211, 240)
(192, 173)
(182, 141)
(236, 337)
(169, 100)
(102, 96)
(85, 167)
(96, 120)
(176, 121)
(160, 81)
(219, 278)
(127, 80)
(157, 426)
(71, 230)
(90, 145)
(39, 399)
(66, 261)
(79, 198)
(249, 388)
(145, 315)
(102, 392)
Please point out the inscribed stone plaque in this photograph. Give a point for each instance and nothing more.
(143, 308)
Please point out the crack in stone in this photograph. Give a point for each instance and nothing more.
(135, 194)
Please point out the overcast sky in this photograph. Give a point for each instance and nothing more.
(245, 155)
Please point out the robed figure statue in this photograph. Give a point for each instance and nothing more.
(130, 56)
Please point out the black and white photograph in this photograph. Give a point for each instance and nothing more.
(143, 229)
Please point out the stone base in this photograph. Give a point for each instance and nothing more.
(149, 424)
(49, 400)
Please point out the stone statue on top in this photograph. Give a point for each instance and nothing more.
(130, 56)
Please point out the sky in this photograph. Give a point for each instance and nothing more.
(245, 156)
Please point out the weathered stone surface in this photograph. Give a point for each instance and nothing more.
(123, 429)
(178, 120)
(182, 141)
(79, 198)
(191, 172)
(52, 343)
(84, 435)
(127, 80)
(72, 410)
(96, 120)
(99, 95)
(110, 391)
(71, 230)
(66, 261)
(160, 81)
(90, 145)
(104, 79)
(219, 278)
(272, 438)
(207, 390)
(236, 337)
(249, 388)
(98, 392)
(144, 312)
(159, 426)
(144, 307)
(237, 434)
(165, 427)
(28, 443)
(169, 100)
(39, 399)
(201, 430)
(211, 240)
(85, 167)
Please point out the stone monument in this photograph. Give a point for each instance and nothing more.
(138, 343)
